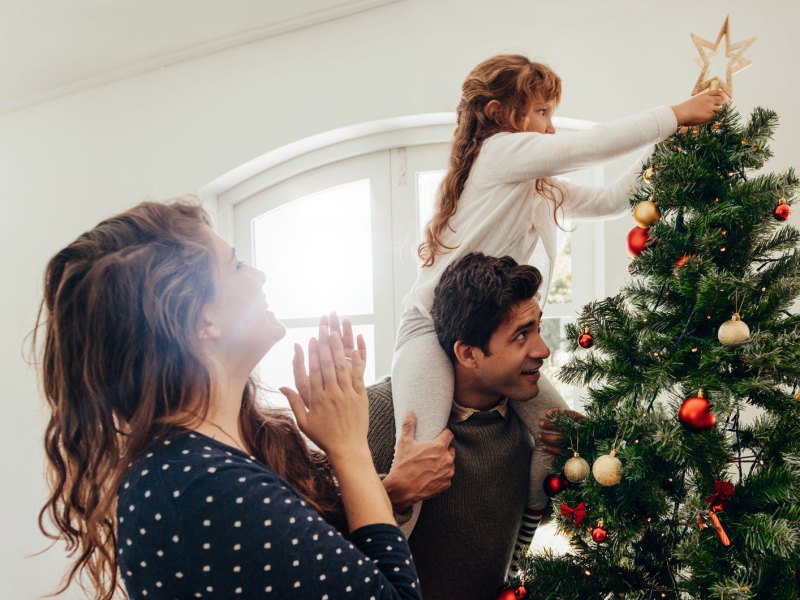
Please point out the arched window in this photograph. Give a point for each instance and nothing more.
(334, 221)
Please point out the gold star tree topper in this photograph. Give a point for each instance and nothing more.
(708, 50)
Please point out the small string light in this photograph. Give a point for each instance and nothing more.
(587, 572)
(694, 350)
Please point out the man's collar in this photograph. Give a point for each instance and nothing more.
(460, 413)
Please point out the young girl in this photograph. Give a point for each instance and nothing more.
(165, 469)
(497, 198)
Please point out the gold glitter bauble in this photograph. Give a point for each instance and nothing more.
(733, 332)
(576, 469)
(607, 469)
(646, 213)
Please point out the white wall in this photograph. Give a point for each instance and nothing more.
(68, 163)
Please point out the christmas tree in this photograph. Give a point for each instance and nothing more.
(692, 370)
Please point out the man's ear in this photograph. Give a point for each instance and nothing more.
(208, 331)
(492, 108)
(467, 355)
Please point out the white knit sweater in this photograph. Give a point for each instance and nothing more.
(500, 213)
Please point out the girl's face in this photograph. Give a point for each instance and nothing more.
(539, 118)
(242, 329)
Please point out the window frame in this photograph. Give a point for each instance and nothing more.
(404, 139)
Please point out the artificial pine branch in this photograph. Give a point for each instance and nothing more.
(717, 249)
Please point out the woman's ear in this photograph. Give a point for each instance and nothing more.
(466, 355)
(492, 109)
(209, 330)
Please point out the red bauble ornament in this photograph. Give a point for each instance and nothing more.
(520, 592)
(695, 414)
(599, 534)
(637, 239)
(782, 211)
(507, 594)
(554, 484)
(585, 340)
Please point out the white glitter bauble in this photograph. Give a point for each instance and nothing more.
(734, 332)
(607, 469)
(576, 469)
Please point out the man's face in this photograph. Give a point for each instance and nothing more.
(516, 353)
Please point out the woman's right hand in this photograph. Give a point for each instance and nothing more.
(330, 404)
(332, 409)
(700, 109)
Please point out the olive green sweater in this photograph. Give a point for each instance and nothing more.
(463, 540)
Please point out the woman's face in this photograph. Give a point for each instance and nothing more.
(242, 326)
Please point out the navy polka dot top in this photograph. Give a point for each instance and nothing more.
(200, 519)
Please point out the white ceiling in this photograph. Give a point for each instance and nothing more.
(50, 48)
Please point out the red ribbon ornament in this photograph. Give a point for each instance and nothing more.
(577, 513)
(723, 491)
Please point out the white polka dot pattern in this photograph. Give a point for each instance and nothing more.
(191, 494)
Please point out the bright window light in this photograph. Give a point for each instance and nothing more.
(276, 368)
(317, 253)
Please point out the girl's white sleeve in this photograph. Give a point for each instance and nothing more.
(513, 157)
(595, 202)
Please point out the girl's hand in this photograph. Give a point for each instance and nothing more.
(331, 407)
(700, 109)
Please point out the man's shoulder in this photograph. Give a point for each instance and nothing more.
(381, 436)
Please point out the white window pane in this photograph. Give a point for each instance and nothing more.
(317, 253)
(275, 369)
(561, 281)
(428, 183)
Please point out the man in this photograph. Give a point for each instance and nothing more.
(487, 319)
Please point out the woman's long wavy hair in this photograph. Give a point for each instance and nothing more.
(515, 82)
(122, 369)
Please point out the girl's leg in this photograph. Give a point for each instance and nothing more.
(532, 412)
(422, 382)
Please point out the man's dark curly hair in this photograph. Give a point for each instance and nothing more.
(475, 295)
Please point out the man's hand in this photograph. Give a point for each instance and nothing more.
(552, 440)
(420, 470)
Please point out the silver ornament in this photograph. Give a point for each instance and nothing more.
(733, 332)
(607, 469)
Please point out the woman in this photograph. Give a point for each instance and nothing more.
(165, 469)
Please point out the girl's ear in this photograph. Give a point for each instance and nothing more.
(466, 355)
(492, 108)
